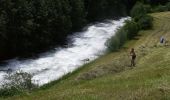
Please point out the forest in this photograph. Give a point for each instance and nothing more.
(33, 26)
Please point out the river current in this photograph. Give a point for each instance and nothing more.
(85, 46)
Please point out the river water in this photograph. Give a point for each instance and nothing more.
(85, 46)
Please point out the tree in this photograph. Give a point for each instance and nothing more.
(78, 14)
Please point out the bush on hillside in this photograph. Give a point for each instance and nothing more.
(139, 14)
(131, 28)
(145, 22)
(128, 31)
(113, 44)
(138, 10)
(122, 35)
(168, 6)
(148, 8)
(17, 83)
(160, 8)
(140, 20)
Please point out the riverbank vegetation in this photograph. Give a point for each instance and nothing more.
(141, 20)
(17, 83)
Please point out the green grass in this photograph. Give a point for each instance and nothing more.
(110, 78)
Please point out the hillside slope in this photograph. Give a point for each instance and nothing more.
(111, 78)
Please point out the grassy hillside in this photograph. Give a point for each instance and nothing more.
(111, 78)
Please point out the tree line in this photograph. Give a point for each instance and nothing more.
(30, 26)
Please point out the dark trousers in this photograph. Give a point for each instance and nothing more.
(132, 62)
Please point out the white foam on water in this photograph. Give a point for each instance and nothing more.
(89, 44)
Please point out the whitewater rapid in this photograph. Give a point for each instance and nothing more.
(85, 47)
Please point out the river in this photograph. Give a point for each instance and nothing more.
(85, 46)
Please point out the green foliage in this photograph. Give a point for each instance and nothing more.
(138, 10)
(154, 2)
(113, 44)
(128, 31)
(139, 14)
(28, 26)
(78, 14)
(101, 9)
(145, 22)
(148, 8)
(160, 8)
(19, 82)
(131, 29)
(122, 35)
(168, 6)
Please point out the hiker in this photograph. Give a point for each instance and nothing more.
(133, 57)
(162, 40)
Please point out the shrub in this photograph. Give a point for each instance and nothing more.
(132, 29)
(145, 22)
(113, 44)
(122, 35)
(147, 8)
(168, 6)
(138, 10)
(17, 83)
(160, 8)
(139, 14)
(128, 31)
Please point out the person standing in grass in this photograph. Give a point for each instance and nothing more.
(162, 40)
(133, 57)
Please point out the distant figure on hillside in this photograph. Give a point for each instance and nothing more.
(133, 57)
(162, 40)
